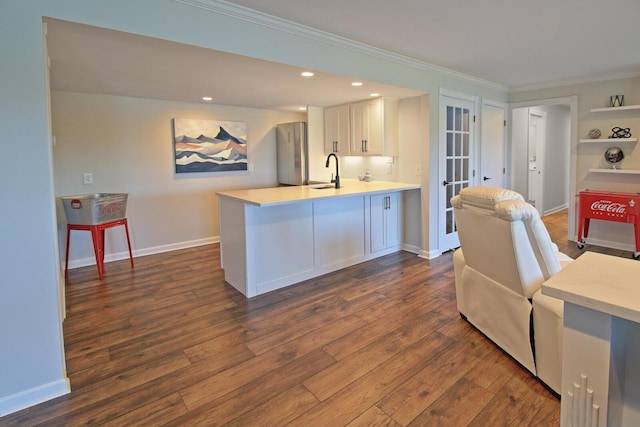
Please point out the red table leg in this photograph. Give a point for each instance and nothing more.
(97, 236)
(126, 230)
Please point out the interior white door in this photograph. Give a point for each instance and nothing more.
(456, 140)
(492, 144)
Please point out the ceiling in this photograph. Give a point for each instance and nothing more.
(513, 43)
(97, 60)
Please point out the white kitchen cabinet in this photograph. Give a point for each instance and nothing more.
(337, 130)
(274, 237)
(385, 221)
(374, 127)
(366, 128)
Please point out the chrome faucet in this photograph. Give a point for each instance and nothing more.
(337, 179)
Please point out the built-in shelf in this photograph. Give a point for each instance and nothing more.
(623, 108)
(618, 171)
(609, 140)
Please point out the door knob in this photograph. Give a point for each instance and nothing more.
(486, 178)
(445, 183)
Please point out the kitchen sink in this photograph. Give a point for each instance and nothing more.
(322, 186)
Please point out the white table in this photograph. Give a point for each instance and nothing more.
(601, 340)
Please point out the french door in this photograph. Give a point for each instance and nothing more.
(456, 145)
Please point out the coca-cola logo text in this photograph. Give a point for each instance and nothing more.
(608, 206)
(114, 207)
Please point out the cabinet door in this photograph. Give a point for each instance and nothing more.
(336, 130)
(392, 220)
(359, 127)
(366, 127)
(385, 221)
(374, 140)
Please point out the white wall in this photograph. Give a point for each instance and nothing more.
(519, 144)
(556, 161)
(127, 144)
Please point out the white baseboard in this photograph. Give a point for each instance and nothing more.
(556, 209)
(611, 244)
(84, 262)
(429, 254)
(34, 396)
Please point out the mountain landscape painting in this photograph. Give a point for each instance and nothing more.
(209, 145)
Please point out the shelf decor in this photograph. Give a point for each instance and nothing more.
(619, 132)
(594, 134)
(613, 156)
(616, 100)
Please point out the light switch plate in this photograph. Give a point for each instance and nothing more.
(87, 178)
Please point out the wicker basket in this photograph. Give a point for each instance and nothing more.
(92, 209)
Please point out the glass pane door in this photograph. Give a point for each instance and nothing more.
(456, 139)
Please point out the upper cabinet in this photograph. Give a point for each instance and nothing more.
(337, 130)
(372, 128)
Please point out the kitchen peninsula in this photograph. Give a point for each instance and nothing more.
(274, 237)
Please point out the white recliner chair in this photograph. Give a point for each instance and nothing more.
(505, 255)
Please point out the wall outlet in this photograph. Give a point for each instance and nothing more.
(250, 167)
(418, 170)
(87, 178)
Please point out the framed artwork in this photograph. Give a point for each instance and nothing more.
(209, 145)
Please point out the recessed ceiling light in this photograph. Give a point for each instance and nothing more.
(307, 74)
(356, 84)
(374, 94)
(302, 108)
(207, 98)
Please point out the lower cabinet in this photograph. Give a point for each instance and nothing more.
(385, 221)
(264, 248)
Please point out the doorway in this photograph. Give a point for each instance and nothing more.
(543, 141)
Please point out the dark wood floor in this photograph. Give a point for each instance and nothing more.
(380, 343)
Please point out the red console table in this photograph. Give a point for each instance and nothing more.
(609, 206)
(97, 235)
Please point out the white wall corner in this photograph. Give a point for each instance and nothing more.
(429, 254)
(411, 248)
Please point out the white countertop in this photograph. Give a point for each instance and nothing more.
(282, 195)
(601, 282)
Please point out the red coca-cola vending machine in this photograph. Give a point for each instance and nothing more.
(609, 206)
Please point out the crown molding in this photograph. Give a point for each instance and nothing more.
(270, 21)
(575, 81)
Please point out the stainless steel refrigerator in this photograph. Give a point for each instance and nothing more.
(293, 153)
